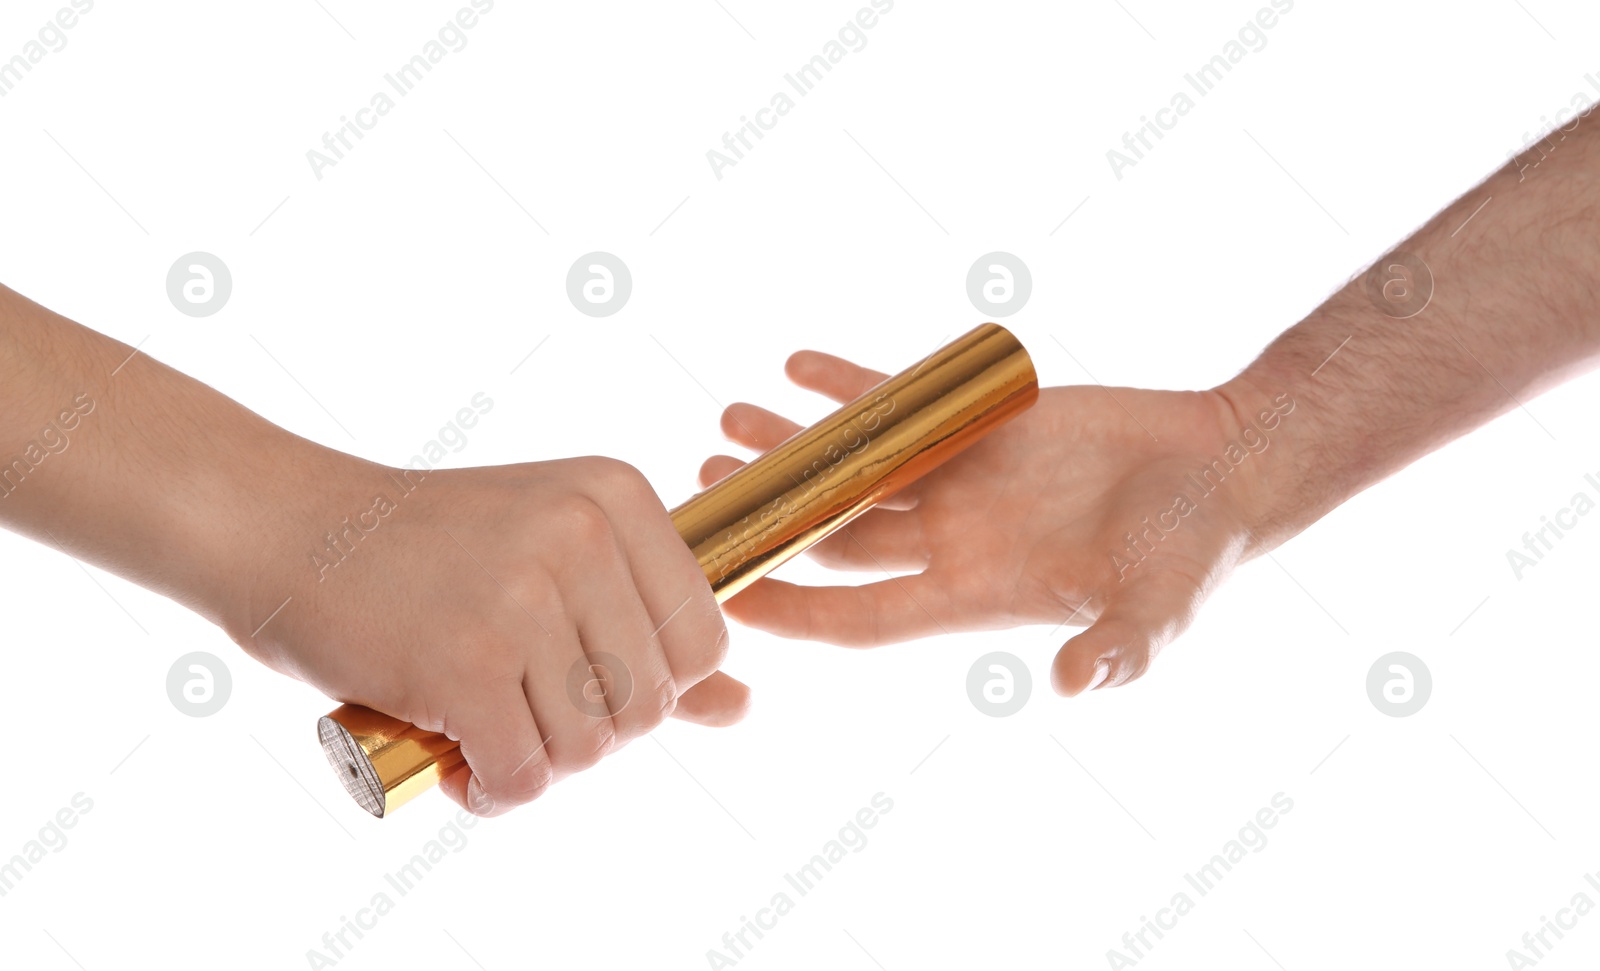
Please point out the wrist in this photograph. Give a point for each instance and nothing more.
(257, 500)
(1274, 483)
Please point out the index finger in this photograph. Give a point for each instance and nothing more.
(832, 376)
(867, 615)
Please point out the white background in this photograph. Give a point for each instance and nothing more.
(406, 280)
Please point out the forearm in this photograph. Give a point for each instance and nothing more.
(117, 459)
(467, 613)
(1516, 268)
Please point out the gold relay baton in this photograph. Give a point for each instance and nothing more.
(760, 516)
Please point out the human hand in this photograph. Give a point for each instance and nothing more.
(473, 602)
(1043, 521)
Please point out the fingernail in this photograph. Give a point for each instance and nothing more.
(478, 801)
(1101, 670)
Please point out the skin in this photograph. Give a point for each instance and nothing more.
(463, 610)
(1023, 527)
(466, 609)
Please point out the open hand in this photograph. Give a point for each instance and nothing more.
(1090, 508)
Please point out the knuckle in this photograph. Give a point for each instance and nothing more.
(425, 714)
(527, 588)
(530, 781)
(502, 789)
(579, 519)
(429, 723)
(500, 793)
(719, 647)
(661, 703)
(644, 711)
(615, 476)
(700, 646)
(1135, 665)
(591, 746)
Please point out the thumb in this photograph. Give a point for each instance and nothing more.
(1128, 634)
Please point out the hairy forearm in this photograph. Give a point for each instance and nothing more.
(117, 459)
(1515, 267)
